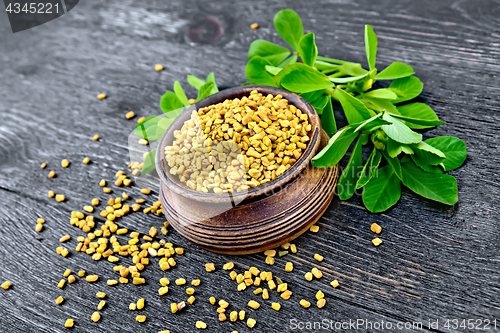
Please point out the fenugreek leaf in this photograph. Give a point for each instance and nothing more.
(181, 95)
(437, 187)
(205, 91)
(382, 191)
(273, 70)
(303, 79)
(169, 101)
(317, 99)
(256, 72)
(307, 48)
(369, 169)
(289, 26)
(349, 78)
(370, 46)
(149, 162)
(195, 82)
(288, 61)
(326, 67)
(420, 111)
(394, 148)
(412, 121)
(327, 119)
(394, 163)
(454, 149)
(372, 124)
(350, 175)
(335, 149)
(427, 157)
(273, 53)
(355, 111)
(381, 93)
(400, 132)
(211, 78)
(406, 88)
(396, 70)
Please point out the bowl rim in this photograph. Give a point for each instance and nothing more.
(270, 187)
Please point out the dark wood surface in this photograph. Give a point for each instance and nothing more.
(436, 262)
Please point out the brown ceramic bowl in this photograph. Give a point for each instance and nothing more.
(175, 185)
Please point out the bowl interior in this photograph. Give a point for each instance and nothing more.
(173, 182)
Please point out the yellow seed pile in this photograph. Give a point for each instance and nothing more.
(238, 144)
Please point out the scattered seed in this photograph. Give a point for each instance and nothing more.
(318, 257)
(69, 323)
(95, 137)
(190, 291)
(65, 238)
(293, 248)
(61, 284)
(101, 96)
(320, 295)
(39, 227)
(180, 282)
(106, 190)
(335, 283)
(132, 306)
(377, 241)
(191, 299)
(101, 295)
(210, 267)
(195, 282)
(60, 198)
(201, 325)
(130, 115)
(192, 101)
(86, 160)
(286, 294)
(6, 285)
(140, 303)
(228, 266)
(51, 194)
(52, 174)
(65, 163)
(317, 273)
(81, 273)
(162, 291)
(158, 67)
(212, 300)
(321, 303)
(145, 191)
(270, 253)
(173, 307)
(254, 305)
(265, 294)
(270, 260)
(43, 166)
(254, 26)
(101, 305)
(140, 120)
(138, 281)
(305, 303)
(308, 276)
(102, 183)
(71, 279)
(140, 319)
(314, 228)
(251, 322)
(241, 314)
(95, 317)
(59, 300)
(289, 267)
(92, 278)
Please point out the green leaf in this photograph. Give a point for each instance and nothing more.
(437, 187)
(273, 53)
(396, 70)
(211, 78)
(369, 169)
(289, 26)
(395, 164)
(400, 132)
(147, 129)
(394, 148)
(349, 177)
(163, 124)
(335, 149)
(255, 71)
(327, 119)
(288, 61)
(454, 149)
(381, 93)
(169, 102)
(380, 104)
(407, 150)
(355, 111)
(317, 99)
(410, 121)
(179, 92)
(205, 91)
(406, 88)
(307, 48)
(325, 66)
(348, 79)
(382, 191)
(303, 79)
(149, 162)
(372, 124)
(352, 69)
(419, 111)
(427, 157)
(273, 70)
(195, 82)
(370, 46)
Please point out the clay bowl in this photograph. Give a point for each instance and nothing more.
(261, 218)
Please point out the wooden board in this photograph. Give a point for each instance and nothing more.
(436, 262)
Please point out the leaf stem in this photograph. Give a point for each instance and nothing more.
(334, 60)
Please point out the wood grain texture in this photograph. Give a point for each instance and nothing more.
(436, 262)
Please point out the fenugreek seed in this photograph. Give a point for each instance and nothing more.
(71, 279)
(377, 241)
(41, 221)
(130, 115)
(209, 267)
(270, 253)
(64, 163)
(59, 300)
(321, 303)
(282, 287)
(69, 323)
(141, 120)
(314, 228)
(162, 291)
(180, 282)
(6, 285)
(293, 248)
(254, 305)
(132, 306)
(106, 190)
(289, 267)
(192, 101)
(286, 294)
(95, 137)
(140, 319)
(138, 281)
(317, 273)
(81, 273)
(233, 316)
(92, 278)
(60, 198)
(158, 67)
(51, 194)
(61, 284)
(39, 227)
(257, 291)
(101, 305)
(276, 306)
(190, 291)
(180, 251)
(271, 285)
(305, 303)
(251, 322)
(228, 266)
(254, 26)
(195, 282)
(52, 174)
(222, 317)
(64, 252)
(335, 283)
(212, 300)
(283, 253)
(318, 257)
(95, 317)
(270, 260)
(201, 325)
(102, 183)
(43, 166)
(309, 276)
(125, 196)
(173, 307)
(100, 295)
(241, 314)
(145, 191)
(265, 294)
(140, 304)
(320, 295)
(86, 160)
(65, 238)
(223, 304)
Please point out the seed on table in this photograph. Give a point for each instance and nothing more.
(138, 281)
(64, 252)
(140, 319)
(60, 284)
(270, 253)
(289, 267)
(320, 295)
(271, 285)
(201, 325)
(191, 101)
(209, 267)
(241, 315)
(233, 316)
(143, 142)
(308, 276)
(106, 190)
(43, 166)
(164, 282)
(162, 291)
(254, 26)
(377, 241)
(60, 198)
(191, 299)
(81, 273)
(195, 282)
(65, 163)
(286, 294)
(69, 323)
(180, 282)
(173, 307)
(376, 228)
(265, 294)
(52, 174)
(282, 287)
(101, 305)
(59, 300)
(212, 300)
(318, 257)
(314, 228)
(251, 322)
(101, 96)
(95, 137)
(92, 278)
(132, 306)
(130, 115)
(254, 305)
(335, 283)
(190, 291)
(39, 227)
(276, 306)
(270, 261)
(102, 183)
(100, 295)
(321, 303)
(223, 304)
(86, 160)
(95, 317)
(293, 248)
(257, 291)
(140, 303)
(71, 279)
(222, 316)
(6, 285)
(228, 266)
(141, 120)
(145, 191)
(65, 238)
(305, 303)
(51, 194)
(40, 220)
(317, 273)
(158, 67)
